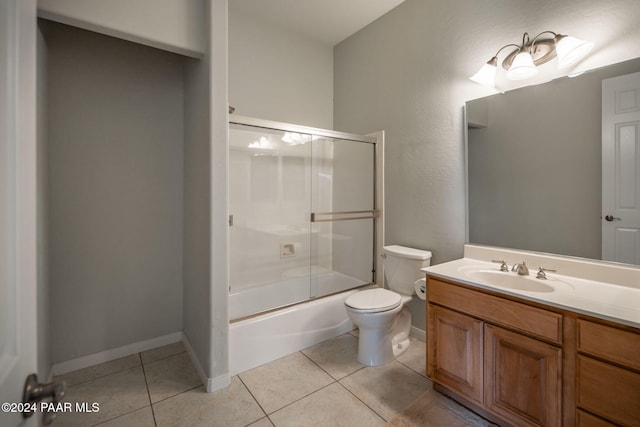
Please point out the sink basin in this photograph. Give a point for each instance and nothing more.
(509, 280)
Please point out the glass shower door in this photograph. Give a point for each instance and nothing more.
(343, 215)
(269, 234)
(302, 215)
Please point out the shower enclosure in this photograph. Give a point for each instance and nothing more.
(304, 214)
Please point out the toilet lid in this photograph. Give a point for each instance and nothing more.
(372, 300)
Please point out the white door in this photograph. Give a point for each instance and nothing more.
(621, 169)
(18, 269)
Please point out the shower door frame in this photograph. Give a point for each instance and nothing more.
(377, 214)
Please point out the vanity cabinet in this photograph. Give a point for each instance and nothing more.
(522, 363)
(501, 356)
(607, 375)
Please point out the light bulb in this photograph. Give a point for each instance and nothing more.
(522, 67)
(570, 50)
(487, 74)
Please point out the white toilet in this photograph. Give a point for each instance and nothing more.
(381, 315)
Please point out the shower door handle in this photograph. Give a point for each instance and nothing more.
(344, 215)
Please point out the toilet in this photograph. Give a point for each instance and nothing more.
(382, 315)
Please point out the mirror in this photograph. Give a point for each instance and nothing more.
(534, 165)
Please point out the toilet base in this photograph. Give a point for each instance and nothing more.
(377, 347)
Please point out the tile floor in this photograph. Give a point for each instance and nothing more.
(322, 385)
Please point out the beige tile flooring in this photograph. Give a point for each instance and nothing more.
(323, 385)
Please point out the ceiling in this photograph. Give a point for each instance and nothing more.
(327, 21)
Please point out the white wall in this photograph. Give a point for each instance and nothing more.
(407, 73)
(277, 75)
(115, 143)
(173, 25)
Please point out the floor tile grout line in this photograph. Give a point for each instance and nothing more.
(142, 363)
(98, 377)
(118, 416)
(407, 366)
(177, 394)
(327, 372)
(254, 398)
(146, 383)
(299, 399)
(161, 358)
(362, 401)
(317, 364)
(334, 381)
(268, 414)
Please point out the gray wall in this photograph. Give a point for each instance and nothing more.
(407, 73)
(197, 212)
(115, 136)
(205, 318)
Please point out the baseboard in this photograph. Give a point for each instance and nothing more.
(115, 353)
(418, 334)
(211, 384)
(218, 383)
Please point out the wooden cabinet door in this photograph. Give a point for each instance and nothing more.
(522, 378)
(455, 355)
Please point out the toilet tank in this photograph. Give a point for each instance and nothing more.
(402, 267)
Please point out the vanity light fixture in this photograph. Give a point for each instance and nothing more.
(522, 63)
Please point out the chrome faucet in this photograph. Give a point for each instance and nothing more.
(521, 269)
(503, 266)
(542, 272)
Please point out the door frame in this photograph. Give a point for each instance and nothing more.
(20, 357)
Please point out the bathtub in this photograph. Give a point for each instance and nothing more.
(266, 337)
(295, 287)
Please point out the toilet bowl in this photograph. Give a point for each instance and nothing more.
(382, 317)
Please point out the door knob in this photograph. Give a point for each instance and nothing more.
(35, 392)
(612, 218)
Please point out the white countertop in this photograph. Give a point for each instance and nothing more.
(610, 301)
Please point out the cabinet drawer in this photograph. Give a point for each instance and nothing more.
(608, 391)
(535, 321)
(584, 419)
(613, 344)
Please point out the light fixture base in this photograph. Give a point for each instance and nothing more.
(542, 52)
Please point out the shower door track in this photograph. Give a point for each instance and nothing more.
(288, 127)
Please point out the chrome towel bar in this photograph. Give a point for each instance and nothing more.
(340, 216)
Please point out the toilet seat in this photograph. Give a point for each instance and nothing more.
(373, 300)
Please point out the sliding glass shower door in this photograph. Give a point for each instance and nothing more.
(302, 215)
(343, 214)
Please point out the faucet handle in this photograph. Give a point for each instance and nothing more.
(504, 266)
(542, 272)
